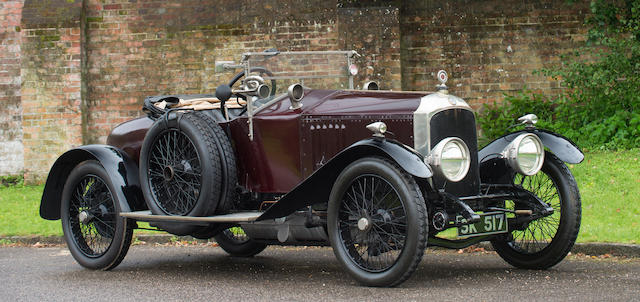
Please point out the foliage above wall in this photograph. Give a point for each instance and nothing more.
(600, 107)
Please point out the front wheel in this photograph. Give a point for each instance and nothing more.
(545, 241)
(97, 237)
(377, 222)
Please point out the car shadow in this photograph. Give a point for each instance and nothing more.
(286, 264)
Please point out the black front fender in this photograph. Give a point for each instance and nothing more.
(122, 170)
(493, 169)
(562, 147)
(317, 187)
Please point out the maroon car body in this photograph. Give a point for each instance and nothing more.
(290, 145)
(377, 175)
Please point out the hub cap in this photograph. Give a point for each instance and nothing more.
(84, 217)
(168, 173)
(363, 224)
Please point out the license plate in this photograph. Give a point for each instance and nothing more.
(490, 223)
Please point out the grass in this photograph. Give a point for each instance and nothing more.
(19, 212)
(609, 184)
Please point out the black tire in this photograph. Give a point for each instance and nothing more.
(545, 241)
(390, 244)
(99, 238)
(229, 181)
(236, 243)
(180, 170)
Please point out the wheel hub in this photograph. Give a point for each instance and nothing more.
(364, 224)
(168, 173)
(85, 217)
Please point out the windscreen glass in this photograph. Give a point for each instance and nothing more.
(317, 70)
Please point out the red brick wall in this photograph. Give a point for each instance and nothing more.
(51, 83)
(71, 70)
(374, 32)
(11, 156)
(489, 47)
(137, 49)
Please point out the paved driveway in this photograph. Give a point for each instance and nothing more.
(204, 273)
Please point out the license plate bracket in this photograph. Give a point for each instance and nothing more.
(490, 223)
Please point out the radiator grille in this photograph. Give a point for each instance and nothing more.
(457, 123)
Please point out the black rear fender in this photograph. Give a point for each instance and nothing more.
(317, 187)
(493, 169)
(122, 170)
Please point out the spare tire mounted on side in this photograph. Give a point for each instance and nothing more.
(187, 168)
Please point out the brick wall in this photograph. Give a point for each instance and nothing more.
(51, 83)
(489, 47)
(11, 156)
(378, 42)
(71, 70)
(135, 49)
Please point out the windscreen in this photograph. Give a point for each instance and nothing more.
(314, 69)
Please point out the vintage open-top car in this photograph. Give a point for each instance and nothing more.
(377, 175)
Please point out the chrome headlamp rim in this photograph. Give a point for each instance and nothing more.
(434, 159)
(512, 152)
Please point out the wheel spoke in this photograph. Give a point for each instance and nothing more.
(94, 237)
(539, 233)
(378, 247)
(176, 180)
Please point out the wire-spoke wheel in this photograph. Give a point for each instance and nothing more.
(96, 235)
(545, 241)
(377, 222)
(181, 172)
(175, 174)
(234, 241)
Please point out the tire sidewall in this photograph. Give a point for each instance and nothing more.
(112, 256)
(209, 187)
(248, 248)
(380, 168)
(567, 231)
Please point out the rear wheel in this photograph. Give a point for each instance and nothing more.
(97, 237)
(544, 242)
(377, 222)
(235, 242)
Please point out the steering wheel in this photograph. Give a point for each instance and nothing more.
(261, 71)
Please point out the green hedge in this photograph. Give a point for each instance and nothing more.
(600, 105)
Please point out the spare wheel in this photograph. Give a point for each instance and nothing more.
(180, 169)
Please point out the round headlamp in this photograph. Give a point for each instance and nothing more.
(450, 158)
(525, 154)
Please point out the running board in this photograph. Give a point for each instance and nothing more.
(234, 217)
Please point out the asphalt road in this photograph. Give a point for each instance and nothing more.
(194, 273)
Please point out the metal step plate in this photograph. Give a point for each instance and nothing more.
(235, 217)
